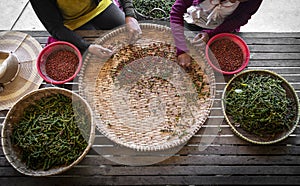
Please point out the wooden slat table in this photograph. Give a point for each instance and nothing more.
(227, 160)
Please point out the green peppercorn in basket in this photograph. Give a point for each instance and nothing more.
(153, 10)
(47, 132)
(260, 106)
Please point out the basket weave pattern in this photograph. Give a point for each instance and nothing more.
(267, 138)
(142, 98)
(16, 112)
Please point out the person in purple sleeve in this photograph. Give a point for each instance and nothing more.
(209, 17)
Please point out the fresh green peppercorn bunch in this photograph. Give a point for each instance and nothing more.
(260, 105)
(147, 7)
(48, 134)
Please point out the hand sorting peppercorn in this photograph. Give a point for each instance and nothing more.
(100, 51)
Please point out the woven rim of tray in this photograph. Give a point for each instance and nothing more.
(17, 110)
(252, 137)
(137, 143)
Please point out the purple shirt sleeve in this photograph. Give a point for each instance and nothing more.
(177, 22)
(234, 21)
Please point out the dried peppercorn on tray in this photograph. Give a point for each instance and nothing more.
(142, 98)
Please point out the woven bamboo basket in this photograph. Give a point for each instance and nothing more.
(164, 113)
(12, 153)
(267, 138)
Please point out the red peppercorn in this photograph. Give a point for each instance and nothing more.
(61, 65)
(229, 56)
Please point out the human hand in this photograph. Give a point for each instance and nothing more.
(184, 60)
(133, 28)
(196, 13)
(200, 39)
(100, 51)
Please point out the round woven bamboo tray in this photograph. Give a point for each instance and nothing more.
(267, 138)
(12, 153)
(149, 103)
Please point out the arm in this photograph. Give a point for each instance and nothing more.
(238, 18)
(132, 24)
(128, 8)
(51, 18)
(177, 24)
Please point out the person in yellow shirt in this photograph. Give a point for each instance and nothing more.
(62, 17)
